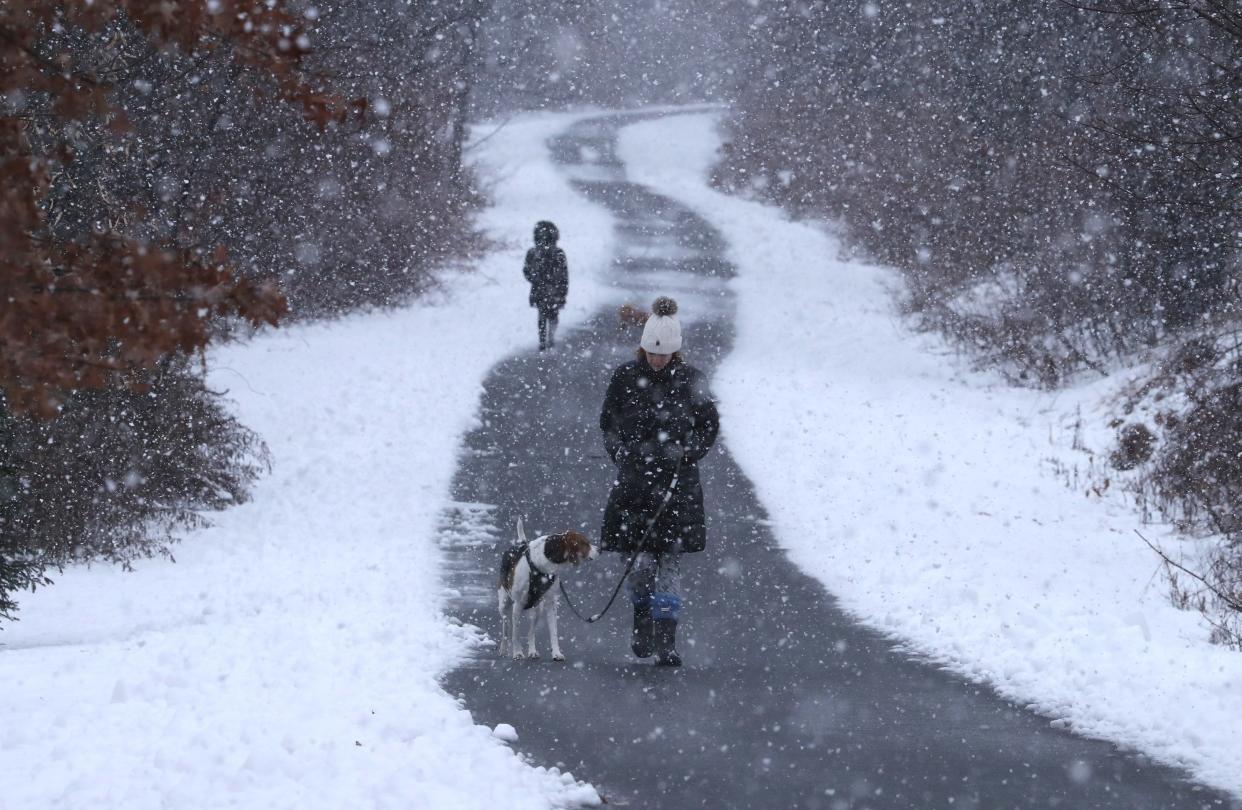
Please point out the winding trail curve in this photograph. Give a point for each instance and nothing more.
(784, 700)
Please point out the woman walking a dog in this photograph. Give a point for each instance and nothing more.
(658, 420)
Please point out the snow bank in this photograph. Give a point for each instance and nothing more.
(916, 491)
(289, 658)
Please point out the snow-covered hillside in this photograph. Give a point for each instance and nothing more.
(288, 659)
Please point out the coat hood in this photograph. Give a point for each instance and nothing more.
(546, 233)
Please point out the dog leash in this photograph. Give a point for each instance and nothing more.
(642, 544)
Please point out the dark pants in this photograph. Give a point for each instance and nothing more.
(548, 315)
(656, 581)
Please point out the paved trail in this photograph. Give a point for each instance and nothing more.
(784, 700)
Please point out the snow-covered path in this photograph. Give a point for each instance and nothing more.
(784, 700)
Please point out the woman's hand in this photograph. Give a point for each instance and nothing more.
(673, 452)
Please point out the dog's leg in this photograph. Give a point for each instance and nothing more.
(513, 626)
(531, 652)
(502, 599)
(557, 655)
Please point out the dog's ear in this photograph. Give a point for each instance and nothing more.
(554, 548)
(566, 548)
(577, 547)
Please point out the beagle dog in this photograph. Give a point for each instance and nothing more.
(527, 572)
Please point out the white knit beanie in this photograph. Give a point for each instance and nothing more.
(662, 332)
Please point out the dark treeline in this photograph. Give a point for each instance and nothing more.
(1059, 182)
(318, 147)
(622, 53)
(341, 213)
(1076, 170)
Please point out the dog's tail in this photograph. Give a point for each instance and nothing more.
(521, 532)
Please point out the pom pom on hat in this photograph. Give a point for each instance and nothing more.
(662, 332)
(664, 306)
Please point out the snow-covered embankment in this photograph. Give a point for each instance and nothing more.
(289, 658)
(915, 490)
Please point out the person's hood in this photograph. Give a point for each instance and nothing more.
(546, 234)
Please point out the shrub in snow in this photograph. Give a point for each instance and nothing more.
(1191, 472)
(1134, 446)
(117, 475)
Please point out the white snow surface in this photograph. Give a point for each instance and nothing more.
(288, 659)
(918, 491)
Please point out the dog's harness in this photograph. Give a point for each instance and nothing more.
(540, 582)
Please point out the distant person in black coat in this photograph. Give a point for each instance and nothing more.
(548, 273)
(659, 420)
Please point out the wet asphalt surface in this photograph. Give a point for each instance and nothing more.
(784, 701)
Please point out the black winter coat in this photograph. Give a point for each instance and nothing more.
(548, 273)
(649, 419)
